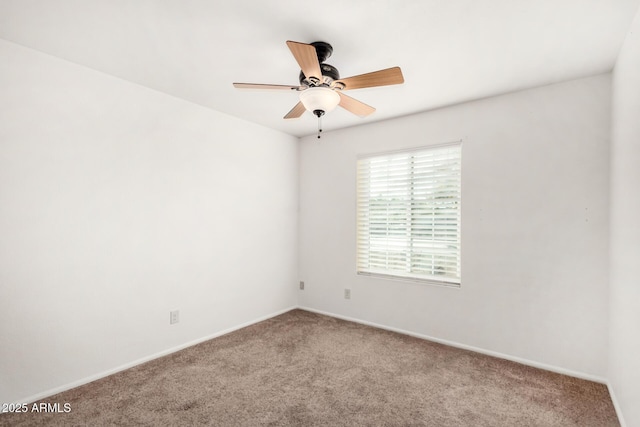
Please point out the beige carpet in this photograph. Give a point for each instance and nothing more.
(304, 369)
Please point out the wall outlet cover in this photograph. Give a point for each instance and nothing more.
(174, 317)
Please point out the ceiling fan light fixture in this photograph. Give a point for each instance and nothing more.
(322, 90)
(319, 100)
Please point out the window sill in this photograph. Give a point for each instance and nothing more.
(417, 280)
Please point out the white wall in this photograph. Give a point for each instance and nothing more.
(119, 204)
(624, 356)
(534, 226)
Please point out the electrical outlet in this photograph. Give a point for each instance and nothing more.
(174, 317)
(347, 294)
(301, 285)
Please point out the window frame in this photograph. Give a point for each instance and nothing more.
(408, 275)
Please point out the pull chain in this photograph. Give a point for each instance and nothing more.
(319, 114)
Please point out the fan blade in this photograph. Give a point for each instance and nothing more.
(261, 86)
(356, 107)
(307, 58)
(296, 111)
(390, 76)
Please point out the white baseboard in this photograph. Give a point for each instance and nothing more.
(527, 362)
(140, 361)
(616, 405)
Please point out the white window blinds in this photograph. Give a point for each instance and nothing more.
(408, 211)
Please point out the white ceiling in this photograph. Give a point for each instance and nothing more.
(449, 51)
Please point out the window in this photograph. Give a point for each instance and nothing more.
(408, 215)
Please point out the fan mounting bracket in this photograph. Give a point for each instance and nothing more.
(323, 50)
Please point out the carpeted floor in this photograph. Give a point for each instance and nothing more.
(304, 369)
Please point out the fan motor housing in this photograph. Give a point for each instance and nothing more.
(327, 71)
(324, 51)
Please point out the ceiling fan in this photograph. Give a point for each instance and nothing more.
(321, 86)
